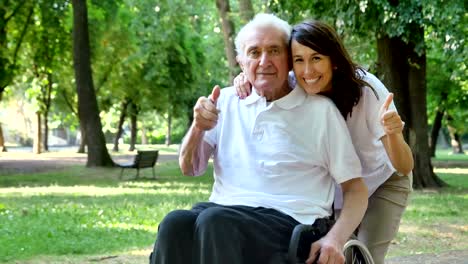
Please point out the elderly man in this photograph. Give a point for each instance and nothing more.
(277, 155)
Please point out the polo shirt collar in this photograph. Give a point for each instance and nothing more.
(252, 98)
(295, 98)
(289, 101)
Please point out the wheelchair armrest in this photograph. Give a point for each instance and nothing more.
(294, 242)
(303, 236)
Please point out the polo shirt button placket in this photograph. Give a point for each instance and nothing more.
(258, 134)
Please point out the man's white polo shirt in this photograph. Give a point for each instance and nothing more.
(285, 155)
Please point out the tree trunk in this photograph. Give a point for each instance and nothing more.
(458, 146)
(228, 33)
(424, 176)
(3, 60)
(37, 148)
(46, 133)
(436, 129)
(169, 130)
(144, 138)
(133, 123)
(455, 141)
(82, 147)
(2, 140)
(123, 114)
(47, 103)
(440, 111)
(404, 73)
(246, 10)
(88, 110)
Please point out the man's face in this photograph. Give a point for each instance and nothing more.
(265, 60)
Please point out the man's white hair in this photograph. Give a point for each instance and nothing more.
(262, 21)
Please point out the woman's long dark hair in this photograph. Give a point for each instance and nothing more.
(347, 82)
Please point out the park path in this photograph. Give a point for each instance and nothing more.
(27, 162)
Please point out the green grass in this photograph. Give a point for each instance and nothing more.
(87, 211)
(81, 212)
(436, 220)
(446, 154)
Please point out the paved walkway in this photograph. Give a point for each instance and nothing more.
(27, 162)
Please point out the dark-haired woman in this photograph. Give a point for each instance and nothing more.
(322, 65)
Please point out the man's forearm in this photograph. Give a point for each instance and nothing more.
(194, 153)
(354, 206)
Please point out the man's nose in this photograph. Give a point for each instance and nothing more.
(264, 59)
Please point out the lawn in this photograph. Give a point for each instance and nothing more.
(446, 154)
(83, 215)
(81, 211)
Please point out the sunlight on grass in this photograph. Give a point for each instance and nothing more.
(80, 215)
(435, 221)
(73, 211)
(166, 189)
(129, 226)
(463, 171)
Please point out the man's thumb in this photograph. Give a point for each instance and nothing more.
(215, 94)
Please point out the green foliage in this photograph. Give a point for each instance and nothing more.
(447, 69)
(162, 56)
(15, 18)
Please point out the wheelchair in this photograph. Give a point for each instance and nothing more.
(355, 251)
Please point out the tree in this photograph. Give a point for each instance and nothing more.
(246, 11)
(172, 55)
(447, 71)
(228, 31)
(133, 124)
(398, 28)
(9, 11)
(48, 43)
(123, 114)
(406, 77)
(88, 110)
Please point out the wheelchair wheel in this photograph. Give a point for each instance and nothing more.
(356, 252)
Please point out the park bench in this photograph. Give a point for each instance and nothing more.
(143, 159)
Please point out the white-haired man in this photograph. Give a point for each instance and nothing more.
(276, 157)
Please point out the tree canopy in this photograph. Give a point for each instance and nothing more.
(150, 60)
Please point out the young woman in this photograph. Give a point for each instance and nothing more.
(322, 65)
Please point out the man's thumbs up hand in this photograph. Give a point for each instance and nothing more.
(215, 94)
(390, 119)
(205, 114)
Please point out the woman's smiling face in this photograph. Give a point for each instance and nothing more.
(314, 71)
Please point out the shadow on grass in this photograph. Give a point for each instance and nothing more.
(88, 211)
(37, 224)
